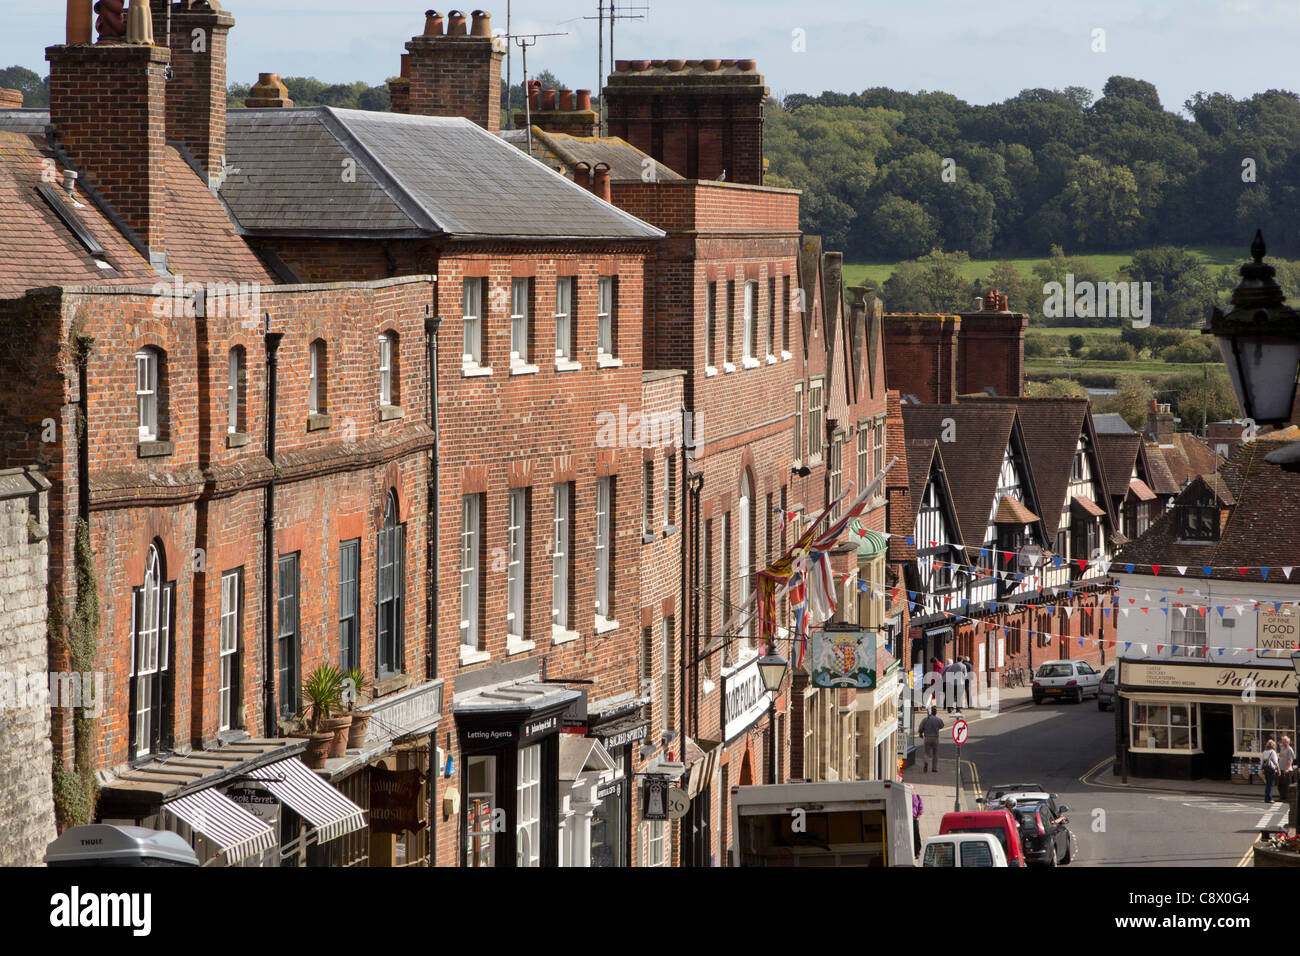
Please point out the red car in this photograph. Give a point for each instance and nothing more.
(997, 823)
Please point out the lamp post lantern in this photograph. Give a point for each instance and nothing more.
(771, 669)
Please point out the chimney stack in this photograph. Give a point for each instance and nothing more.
(565, 111)
(399, 89)
(457, 73)
(196, 91)
(109, 117)
(268, 93)
(11, 99)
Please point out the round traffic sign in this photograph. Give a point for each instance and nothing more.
(960, 730)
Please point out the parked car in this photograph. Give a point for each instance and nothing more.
(996, 793)
(1043, 832)
(1065, 679)
(1106, 689)
(963, 849)
(996, 823)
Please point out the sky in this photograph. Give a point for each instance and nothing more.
(982, 51)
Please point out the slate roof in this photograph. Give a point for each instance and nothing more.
(975, 457)
(1118, 452)
(415, 176)
(1161, 478)
(1256, 532)
(562, 151)
(1111, 423)
(200, 242)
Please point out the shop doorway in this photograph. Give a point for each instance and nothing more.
(1216, 741)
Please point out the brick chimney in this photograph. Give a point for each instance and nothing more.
(399, 89)
(108, 112)
(991, 348)
(11, 99)
(700, 118)
(1160, 423)
(196, 92)
(572, 113)
(268, 93)
(457, 73)
(921, 355)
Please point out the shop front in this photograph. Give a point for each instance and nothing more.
(1201, 720)
(619, 726)
(878, 722)
(509, 734)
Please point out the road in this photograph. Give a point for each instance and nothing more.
(1062, 745)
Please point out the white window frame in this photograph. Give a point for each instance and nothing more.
(607, 321)
(729, 328)
(470, 552)
(228, 643)
(750, 327)
(816, 425)
(516, 568)
(386, 368)
(1145, 744)
(1257, 726)
(771, 320)
(313, 376)
(655, 841)
(520, 292)
(471, 309)
(745, 549)
(604, 528)
(562, 498)
(234, 369)
(151, 637)
(564, 324)
(865, 432)
(798, 423)
(146, 393)
(724, 579)
(1187, 641)
(528, 807)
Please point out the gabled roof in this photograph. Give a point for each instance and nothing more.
(1118, 452)
(923, 458)
(1159, 475)
(981, 433)
(1190, 457)
(415, 176)
(1111, 423)
(1259, 498)
(200, 242)
(627, 164)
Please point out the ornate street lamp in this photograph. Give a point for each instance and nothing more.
(771, 668)
(1260, 342)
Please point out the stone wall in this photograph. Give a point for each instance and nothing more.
(26, 791)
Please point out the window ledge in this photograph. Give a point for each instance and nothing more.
(751, 362)
(669, 530)
(473, 371)
(710, 371)
(814, 461)
(604, 625)
(771, 359)
(567, 365)
(236, 439)
(560, 636)
(608, 361)
(155, 449)
(517, 645)
(472, 655)
(522, 368)
(785, 356)
(390, 685)
(728, 367)
(388, 413)
(318, 421)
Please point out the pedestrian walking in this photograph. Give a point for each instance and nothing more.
(970, 680)
(929, 729)
(950, 672)
(1268, 767)
(1285, 768)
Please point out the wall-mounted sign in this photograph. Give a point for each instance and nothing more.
(678, 803)
(260, 803)
(746, 699)
(844, 659)
(654, 804)
(624, 737)
(1278, 631)
(1234, 680)
(536, 728)
(395, 802)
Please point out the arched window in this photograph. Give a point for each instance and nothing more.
(388, 379)
(236, 412)
(391, 559)
(150, 660)
(745, 551)
(317, 379)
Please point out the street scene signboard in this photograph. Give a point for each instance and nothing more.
(844, 659)
(960, 731)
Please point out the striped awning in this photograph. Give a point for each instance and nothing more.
(702, 770)
(332, 814)
(219, 819)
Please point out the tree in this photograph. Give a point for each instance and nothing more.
(1056, 388)
(1076, 345)
(1132, 399)
(1182, 288)
(932, 283)
(899, 225)
(1102, 202)
(1204, 393)
(36, 92)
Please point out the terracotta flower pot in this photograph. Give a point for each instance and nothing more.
(357, 732)
(337, 727)
(318, 746)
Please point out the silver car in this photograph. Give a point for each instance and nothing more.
(1065, 680)
(1106, 689)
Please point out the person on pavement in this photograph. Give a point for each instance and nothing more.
(918, 807)
(970, 678)
(929, 729)
(950, 673)
(1268, 767)
(1285, 767)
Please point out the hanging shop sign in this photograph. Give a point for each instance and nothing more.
(844, 659)
(260, 803)
(539, 727)
(1279, 631)
(654, 803)
(746, 699)
(395, 802)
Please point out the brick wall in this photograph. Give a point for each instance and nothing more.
(27, 825)
(922, 352)
(196, 91)
(991, 352)
(456, 76)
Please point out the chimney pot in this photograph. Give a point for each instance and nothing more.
(111, 20)
(70, 181)
(406, 66)
(710, 65)
(622, 66)
(583, 101)
(979, 304)
(11, 99)
(268, 93)
(582, 174)
(456, 24)
(565, 100)
(482, 24)
(139, 23)
(728, 62)
(534, 93)
(432, 23)
(601, 184)
(548, 100)
(747, 65)
(655, 64)
(637, 66)
(78, 21)
(674, 65)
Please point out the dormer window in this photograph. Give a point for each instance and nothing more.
(1197, 521)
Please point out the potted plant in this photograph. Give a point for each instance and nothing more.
(354, 687)
(320, 694)
(1278, 850)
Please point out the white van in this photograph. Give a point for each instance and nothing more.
(963, 849)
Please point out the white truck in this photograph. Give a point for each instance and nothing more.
(844, 823)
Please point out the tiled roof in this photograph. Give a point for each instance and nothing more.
(1256, 533)
(1086, 504)
(981, 432)
(1111, 423)
(201, 241)
(1118, 453)
(1141, 489)
(1161, 478)
(414, 176)
(626, 162)
(1011, 511)
(920, 455)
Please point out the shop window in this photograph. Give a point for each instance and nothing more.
(528, 831)
(389, 613)
(150, 660)
(1165, 727)
(229, 635)
(480, 811)
(1256, 724)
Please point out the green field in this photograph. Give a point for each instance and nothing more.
(1093, 372)
(1107, 263)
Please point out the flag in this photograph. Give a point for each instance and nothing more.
(821, 588)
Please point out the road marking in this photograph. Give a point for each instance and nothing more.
(1248, 859)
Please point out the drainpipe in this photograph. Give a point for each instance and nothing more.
(271, 720)
(431, 325)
